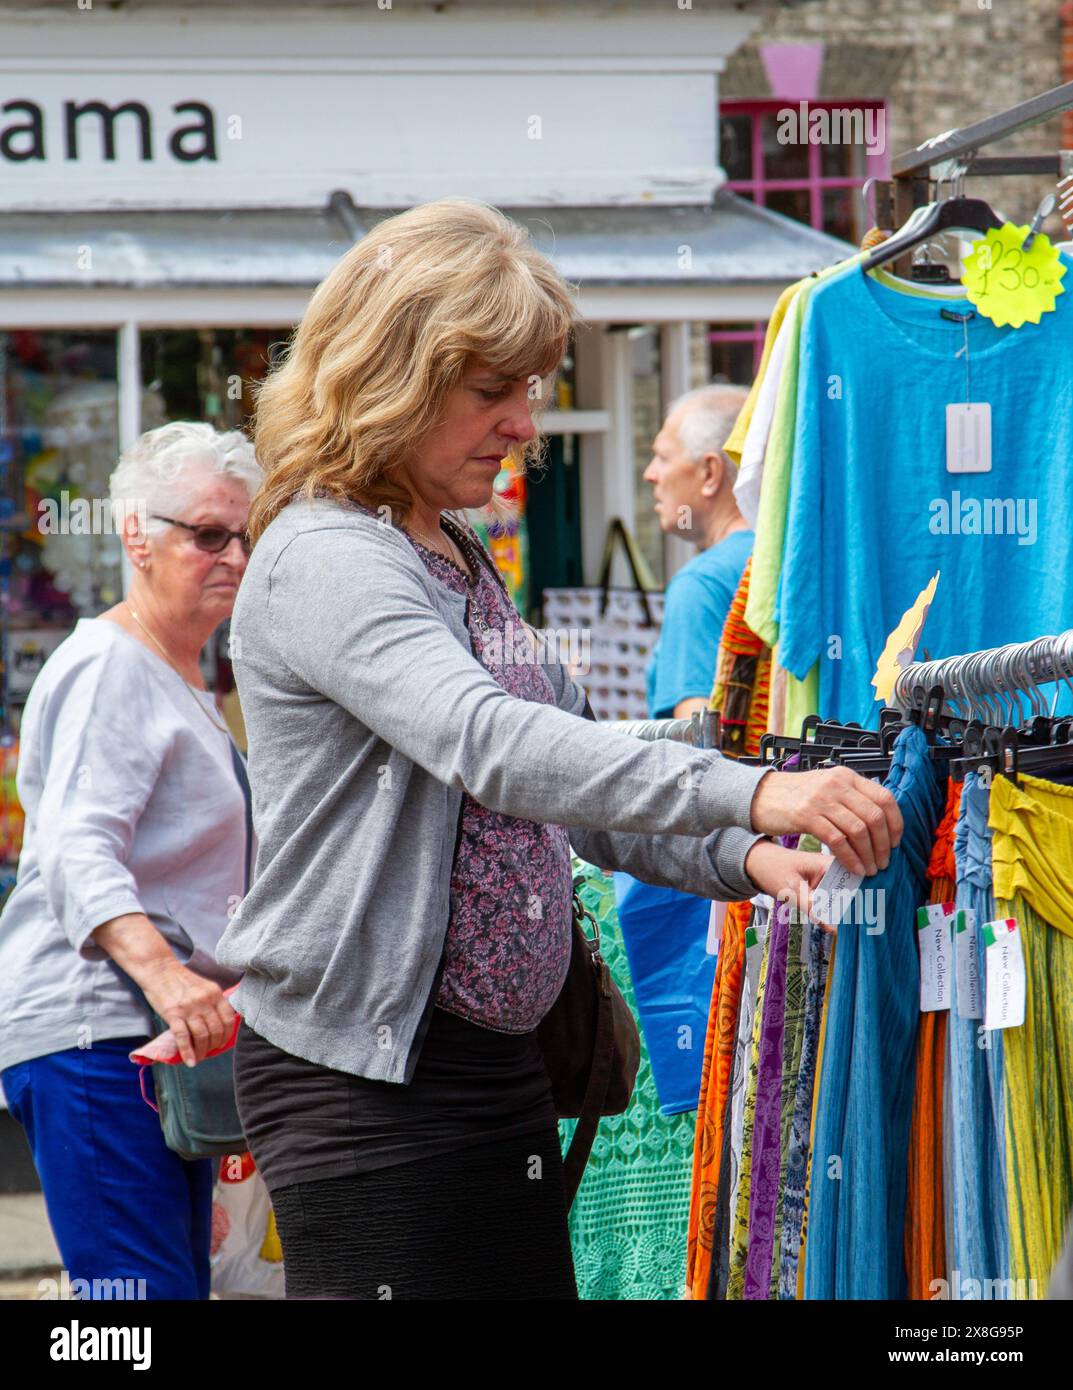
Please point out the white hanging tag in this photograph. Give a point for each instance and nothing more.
(754, 944)
(1004, 996)
(970, 1001)
(832, 898)
(968, 438)
(716, 918)
(933, 938)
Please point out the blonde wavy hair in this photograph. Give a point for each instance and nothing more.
(387, 335)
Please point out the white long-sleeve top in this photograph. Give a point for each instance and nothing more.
(132, 805)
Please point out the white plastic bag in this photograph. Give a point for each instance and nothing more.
(246, 1258)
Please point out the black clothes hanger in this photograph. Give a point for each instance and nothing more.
(1012, 751)
(774, 747)
(816, 730)
(875, 767)
(962, 214)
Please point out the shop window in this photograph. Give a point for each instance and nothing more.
(59, 439)
(735, 350)
(812, 182)
(60, 561)
(645, 366)
(817, 184)
(209, 373)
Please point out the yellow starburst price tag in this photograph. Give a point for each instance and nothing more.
(1008, 284)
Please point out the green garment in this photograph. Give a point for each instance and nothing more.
(629, 1221)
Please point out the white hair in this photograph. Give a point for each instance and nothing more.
(705, 427)
(162, 469)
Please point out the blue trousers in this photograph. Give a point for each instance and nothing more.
(120, 1203)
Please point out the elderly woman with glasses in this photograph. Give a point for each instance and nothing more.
(134, 856)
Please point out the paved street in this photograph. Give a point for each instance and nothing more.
(27, 1251)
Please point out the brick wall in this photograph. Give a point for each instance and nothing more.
(938, 64)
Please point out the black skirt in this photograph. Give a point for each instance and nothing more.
(304, 1121)
(450, 1187)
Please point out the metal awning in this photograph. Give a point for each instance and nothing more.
(730, 242)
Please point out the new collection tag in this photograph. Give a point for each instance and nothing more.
(933, 938)
(1004, 996)
(967, 964)
(832, 898)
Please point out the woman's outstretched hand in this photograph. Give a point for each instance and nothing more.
(857, 819)
(194, 1008)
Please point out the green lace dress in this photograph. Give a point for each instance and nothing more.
(629, 1220)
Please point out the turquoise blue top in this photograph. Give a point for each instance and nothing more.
(873, 511)
(695, 608)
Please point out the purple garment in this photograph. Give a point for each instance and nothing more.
(509, 935)
(767, 1125)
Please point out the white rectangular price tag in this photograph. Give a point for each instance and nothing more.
(754, 944)
(1004, 996)
(933, 938)
(968, 438)
(967, 960)
(716, 917)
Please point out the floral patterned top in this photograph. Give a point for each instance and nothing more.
(509, 934)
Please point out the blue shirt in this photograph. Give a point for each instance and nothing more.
(874, 513)
(695, 608)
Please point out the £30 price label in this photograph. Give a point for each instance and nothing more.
(1008, 284)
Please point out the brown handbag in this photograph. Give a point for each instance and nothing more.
(591, 1046)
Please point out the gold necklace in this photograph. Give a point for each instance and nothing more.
(215, 722)
(451, 541)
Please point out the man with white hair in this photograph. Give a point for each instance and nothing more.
(693, 491)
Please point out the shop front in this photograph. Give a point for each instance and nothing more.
(176, 184)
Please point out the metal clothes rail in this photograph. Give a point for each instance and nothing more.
(992, 681)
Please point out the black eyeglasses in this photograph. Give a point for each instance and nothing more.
(210, 538)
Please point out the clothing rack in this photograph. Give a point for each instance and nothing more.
(700, 730)
(974, 679)
(954, 154)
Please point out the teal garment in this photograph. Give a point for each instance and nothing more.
(629, 1221)
(855, 1246)
(695, 610)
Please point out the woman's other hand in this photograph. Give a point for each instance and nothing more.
(787, 875)
(857, 819)
(194, 1008)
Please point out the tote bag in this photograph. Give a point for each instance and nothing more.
(618, 627)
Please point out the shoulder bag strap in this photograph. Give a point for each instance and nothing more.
(596, 1091)
(642, 577)
(247, 795)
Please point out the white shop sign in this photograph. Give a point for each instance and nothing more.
(195, 138)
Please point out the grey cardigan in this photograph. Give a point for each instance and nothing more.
(367, 717)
